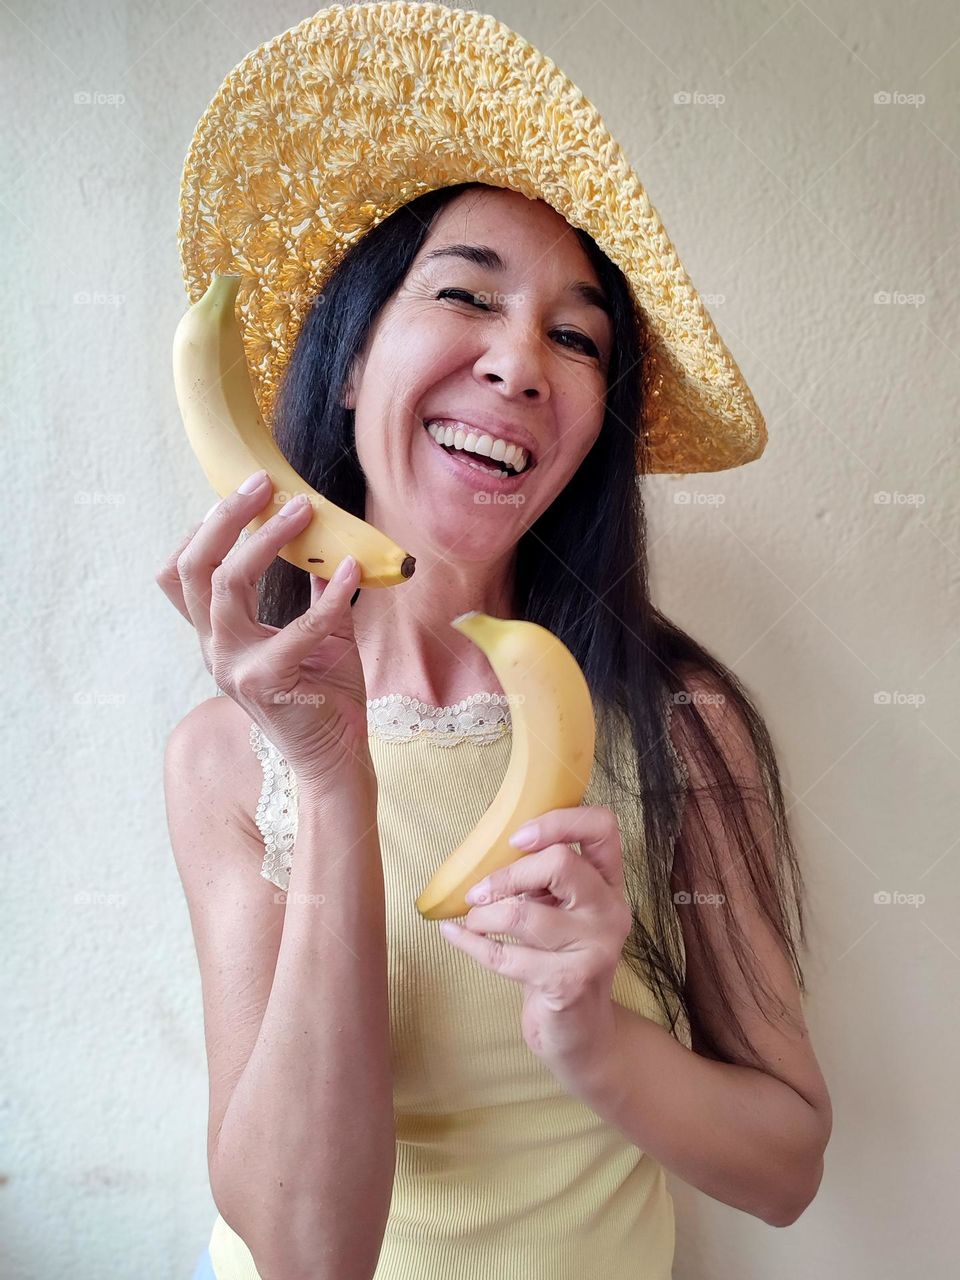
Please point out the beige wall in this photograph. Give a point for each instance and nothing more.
(794, 202)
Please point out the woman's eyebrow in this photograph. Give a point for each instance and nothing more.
(482, 255)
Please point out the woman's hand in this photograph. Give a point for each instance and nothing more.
(302, 684)
(570, 913)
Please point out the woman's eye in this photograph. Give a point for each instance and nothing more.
(586, 345)
(463, 294)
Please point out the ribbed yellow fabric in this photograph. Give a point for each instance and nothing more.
(500, 1173)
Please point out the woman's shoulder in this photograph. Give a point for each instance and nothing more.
(213, 743)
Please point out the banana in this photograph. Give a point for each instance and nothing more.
(551, 759)
(231, 440)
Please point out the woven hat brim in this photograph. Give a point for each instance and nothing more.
(322, 132)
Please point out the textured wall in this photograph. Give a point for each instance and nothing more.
(795, 198)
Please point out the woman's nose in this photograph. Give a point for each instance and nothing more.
(517, 358)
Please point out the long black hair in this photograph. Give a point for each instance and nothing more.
(581, 572)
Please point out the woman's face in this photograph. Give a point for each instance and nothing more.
(512, 352)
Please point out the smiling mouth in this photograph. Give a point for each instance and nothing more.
(504, 468)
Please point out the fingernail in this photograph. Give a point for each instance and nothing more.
(478, 893)
(294, 506)
(210, 513)
(344, 569)
(526, 834)
(253, 482)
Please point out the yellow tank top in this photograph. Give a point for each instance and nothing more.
(499, 1172)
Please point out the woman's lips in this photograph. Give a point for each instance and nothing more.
(477, 476)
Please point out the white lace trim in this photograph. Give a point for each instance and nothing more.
(397, 717)
(277, 810)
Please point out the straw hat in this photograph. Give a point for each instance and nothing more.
(322, 132)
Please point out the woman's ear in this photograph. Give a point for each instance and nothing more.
(348, 400)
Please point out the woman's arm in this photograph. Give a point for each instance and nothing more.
(752, 1137)
(301, 1141)
(307, 1145)
(736, 1133)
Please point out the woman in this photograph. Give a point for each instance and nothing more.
(385, 1098)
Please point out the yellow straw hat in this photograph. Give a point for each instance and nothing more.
(325, 130)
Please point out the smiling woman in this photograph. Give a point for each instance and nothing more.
(374, 358)
(475, 376)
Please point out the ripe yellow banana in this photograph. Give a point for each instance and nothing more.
(231, 440)
(551, 759)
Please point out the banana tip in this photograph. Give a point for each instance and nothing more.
(462, 617)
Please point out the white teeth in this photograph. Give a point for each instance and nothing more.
(467, 441)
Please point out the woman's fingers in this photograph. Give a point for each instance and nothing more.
(207, 552)
(233, 610)
(168, 578)
(319, 584)
(217, 592)
(328, 614)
